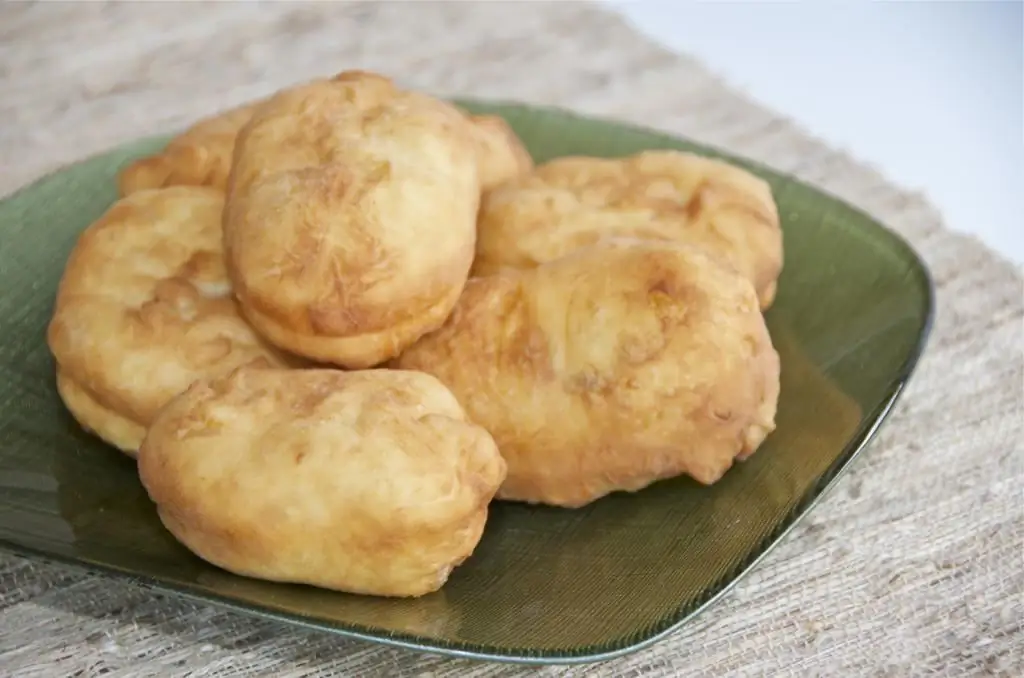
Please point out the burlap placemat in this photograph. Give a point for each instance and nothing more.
(913, 566)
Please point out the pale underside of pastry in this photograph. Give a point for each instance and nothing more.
(350, 218)
(143, 309)
(572, 202)
(101, 420)
(369, 482)
(618, 365)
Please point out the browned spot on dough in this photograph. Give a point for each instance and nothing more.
(311, 400)
(587, 381)
(659, 287)
(202, 266)
(696, 204)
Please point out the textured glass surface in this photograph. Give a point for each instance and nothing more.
(546, 585)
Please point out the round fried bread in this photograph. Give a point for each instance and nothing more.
(664, 195)
(143, 309)
(370, 482)
(615, 366)
(350, 219)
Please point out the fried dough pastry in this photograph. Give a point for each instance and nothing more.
(143, 309)
(662, 195)
(350, 219)
(501, 155)
(368, 482)
(199, 156)
(620, 364)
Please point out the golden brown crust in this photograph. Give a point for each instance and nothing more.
(501, 155)
(350, 219)
(199, 156)
(620, 364)
(369, 482)
(144, 308)
(665, 195)
(115, 429)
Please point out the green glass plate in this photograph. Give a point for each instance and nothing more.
(544, 585)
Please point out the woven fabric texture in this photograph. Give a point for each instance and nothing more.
(914, 565)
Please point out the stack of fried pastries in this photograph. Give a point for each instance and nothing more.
(334, 324)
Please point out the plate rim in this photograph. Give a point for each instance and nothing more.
(871, 422)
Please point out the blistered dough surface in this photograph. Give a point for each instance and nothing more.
(664, 195)
(201, 155)
(351, 217)
(368, 482)
(144, 308)
(613, 367)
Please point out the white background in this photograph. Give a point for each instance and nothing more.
(930, 93)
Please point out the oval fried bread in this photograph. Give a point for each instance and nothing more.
(368, 482)
(663, 195)
(199, 156)
(143, 309)
(620, 364)
(350, 219)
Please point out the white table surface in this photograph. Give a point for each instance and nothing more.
(930, 93)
